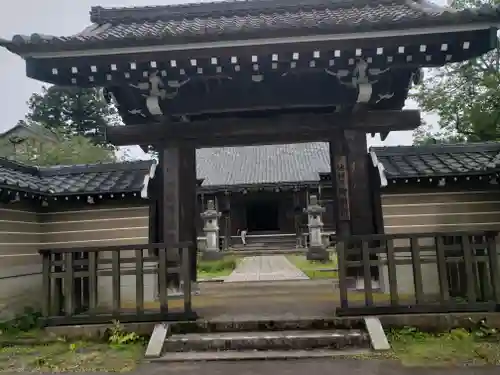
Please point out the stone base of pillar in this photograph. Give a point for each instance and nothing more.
(318, 253)
(211, 255)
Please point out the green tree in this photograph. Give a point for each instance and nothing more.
(425, 135)
(71, 149)
(465, 96)
(73, 111)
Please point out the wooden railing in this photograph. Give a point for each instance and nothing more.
(428, 260)
(88, 285)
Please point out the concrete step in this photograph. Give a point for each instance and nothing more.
(268, 340)
(256, 355)
(249, 323)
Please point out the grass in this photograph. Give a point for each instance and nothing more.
(315, 269)
(459, 347)
(216, 268)
(24, 347)
(71, 357)
(124, 351)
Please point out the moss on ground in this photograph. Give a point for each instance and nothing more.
(458, 347)
(216, 268)
(315, 269)
(71, 357)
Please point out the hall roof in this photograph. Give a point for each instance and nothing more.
(231, 167)
(229, 20)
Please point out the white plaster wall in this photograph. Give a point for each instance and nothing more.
(19, 292)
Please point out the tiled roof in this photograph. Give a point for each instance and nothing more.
(262, 164)
(246, 19)
(240, 166)
(438, 160)
(127, 177)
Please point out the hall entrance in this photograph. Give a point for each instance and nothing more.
(262, 216)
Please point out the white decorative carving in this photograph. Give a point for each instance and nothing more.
(365, 92)
(384, 97)
(156, 92)
(137, 112)
(153, 105)
(360, 79)
(257, 78)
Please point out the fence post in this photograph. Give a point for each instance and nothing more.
(93, 288)
(442, 271)
(417, 270)
(46, 281)
(69, 303)
(391, 271)
(367, 274)
(116, 281)
(494, 269)
(469, 269)
(186, 277)
(341, 260)
(162, 279)
(139, 281)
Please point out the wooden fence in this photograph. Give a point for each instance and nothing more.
(71, 283)
(467, 274)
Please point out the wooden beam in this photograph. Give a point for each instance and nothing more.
(270, 129)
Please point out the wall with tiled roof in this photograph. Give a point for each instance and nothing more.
(240, 166)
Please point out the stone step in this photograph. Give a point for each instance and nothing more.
(287, 322)
(257, 355)
(266, 341)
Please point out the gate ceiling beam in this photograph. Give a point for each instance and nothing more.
(266, 130)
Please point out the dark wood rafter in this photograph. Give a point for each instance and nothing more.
(479, 43)
(270, 129)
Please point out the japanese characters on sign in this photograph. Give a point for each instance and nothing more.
(342, 184)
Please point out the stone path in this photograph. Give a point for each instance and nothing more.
(300, 367)
(322, 366)
(265, 268)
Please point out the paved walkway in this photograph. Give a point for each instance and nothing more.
(265, 268)
(301, 367)
(295, 367)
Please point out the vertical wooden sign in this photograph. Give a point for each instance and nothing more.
(342, 184)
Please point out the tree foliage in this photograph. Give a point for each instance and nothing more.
(71, 149)
(465, 96)
(72, 111)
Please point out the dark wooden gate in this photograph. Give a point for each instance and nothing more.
(71, 284)
(471, 257)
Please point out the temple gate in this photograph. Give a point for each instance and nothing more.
(253, 73)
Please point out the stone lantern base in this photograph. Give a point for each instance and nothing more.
(317, 253)
(212, 255)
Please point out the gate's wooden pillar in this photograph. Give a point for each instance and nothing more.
(351, 183)
(178, 199)
(340, 184)
(360, 194)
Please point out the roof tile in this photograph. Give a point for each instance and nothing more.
(273, 164)
(225, 20)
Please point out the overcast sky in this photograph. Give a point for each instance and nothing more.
(63, 17)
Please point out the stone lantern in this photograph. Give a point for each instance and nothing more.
(211, 228)
(316, 250)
